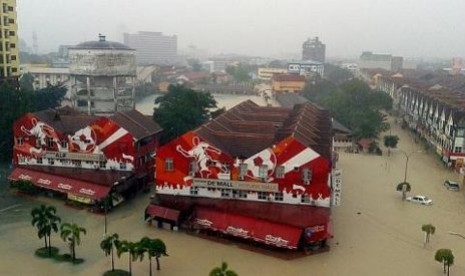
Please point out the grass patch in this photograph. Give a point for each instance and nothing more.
(44, 253)
(116, 272)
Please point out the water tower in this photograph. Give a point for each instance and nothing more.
(102, 77)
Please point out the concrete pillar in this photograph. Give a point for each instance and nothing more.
(115, 93)
(133, 80)
(89, 111)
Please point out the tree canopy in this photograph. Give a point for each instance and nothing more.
(182, 109)
(240, 73)
(16, 102)
(353, 104)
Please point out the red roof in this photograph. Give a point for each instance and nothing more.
(263, 231)
(288, 77)
(60, 184)
(157, 211)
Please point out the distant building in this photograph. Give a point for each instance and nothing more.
(62, 58)
(266, 74)
(9, 53)
(314, 49)
(46, 76)
(214, 66)
(306, 67)
(153, 47)
(287, 83)
(102, 77)
(368, 60)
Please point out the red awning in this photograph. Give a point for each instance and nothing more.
(275, 234)
(60, 183)
(163, 212)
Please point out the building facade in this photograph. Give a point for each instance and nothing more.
(248, 173)
(9, 44)
(153, 47)
(287, 83)
(265, 73)
(306, 68)
(314, 49)
(84, 158)
(368, 60)
(102, 77)
(46, 76)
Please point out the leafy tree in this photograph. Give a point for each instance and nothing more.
(429, 230)
(222, 271)
(134, 250)
(336, 74)
(26, 82)
(404, 187)
(107, 245)
(182, 109)
(390, 141)
(445, 257)
(240, 73)
(44, 218)
(154, 248)
(49, 97)
(195, 64)
(71, 232)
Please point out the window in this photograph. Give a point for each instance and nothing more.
(305, 198)
(458, 149)
(169, 166)
(39, 160)
(77, 163)
(38, 142)
(242, 170)
(50, 142)
(122, 166)
(306, 176)
(280, 172)
(194, 190)
(102, 164)
(12, 45)
(51, 161)
(239, 194)
(64, 144)
(13, 57)
(22, 159)
(192, 167)
(12, 33)
(225, 193)
(278, 197)
(19, 140)
(263, 172)
(10, 8)
(262, 195)
(460, 132)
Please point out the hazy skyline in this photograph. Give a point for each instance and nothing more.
(415, 28)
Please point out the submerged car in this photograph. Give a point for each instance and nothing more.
(451, 185)
(420, 199)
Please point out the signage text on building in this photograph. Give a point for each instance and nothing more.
(237, 185)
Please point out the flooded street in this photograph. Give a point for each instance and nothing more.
(375, 233)
(147, 104)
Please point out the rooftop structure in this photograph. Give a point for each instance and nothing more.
(314, 49)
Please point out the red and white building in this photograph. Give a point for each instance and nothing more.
(258, 173)
(85, 158)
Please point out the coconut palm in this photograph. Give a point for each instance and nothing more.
(134, 250)
(71, 232)
(222, 271)
(154, 248)
(46, 221)
(429, 230)
(107, 245)
(404, 187)
(445, 257)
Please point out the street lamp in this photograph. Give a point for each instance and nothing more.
(407, 156)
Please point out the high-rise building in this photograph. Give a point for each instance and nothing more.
(9, 53)
(369, 60)
(153, 47)
(314, 49)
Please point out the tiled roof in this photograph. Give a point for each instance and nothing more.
(66, 120)
(248, 128)
(288, 77)
(136, 123)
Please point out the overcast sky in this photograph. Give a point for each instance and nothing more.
(410, 28)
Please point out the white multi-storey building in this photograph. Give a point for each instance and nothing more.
(153, 47)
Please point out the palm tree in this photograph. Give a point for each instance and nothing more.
(429, 230)
(154, 248)
(222, 271)
(446, 257)
(403, 187)
(46, 221)
(107, 245)
(134, 249)
(71, 232)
